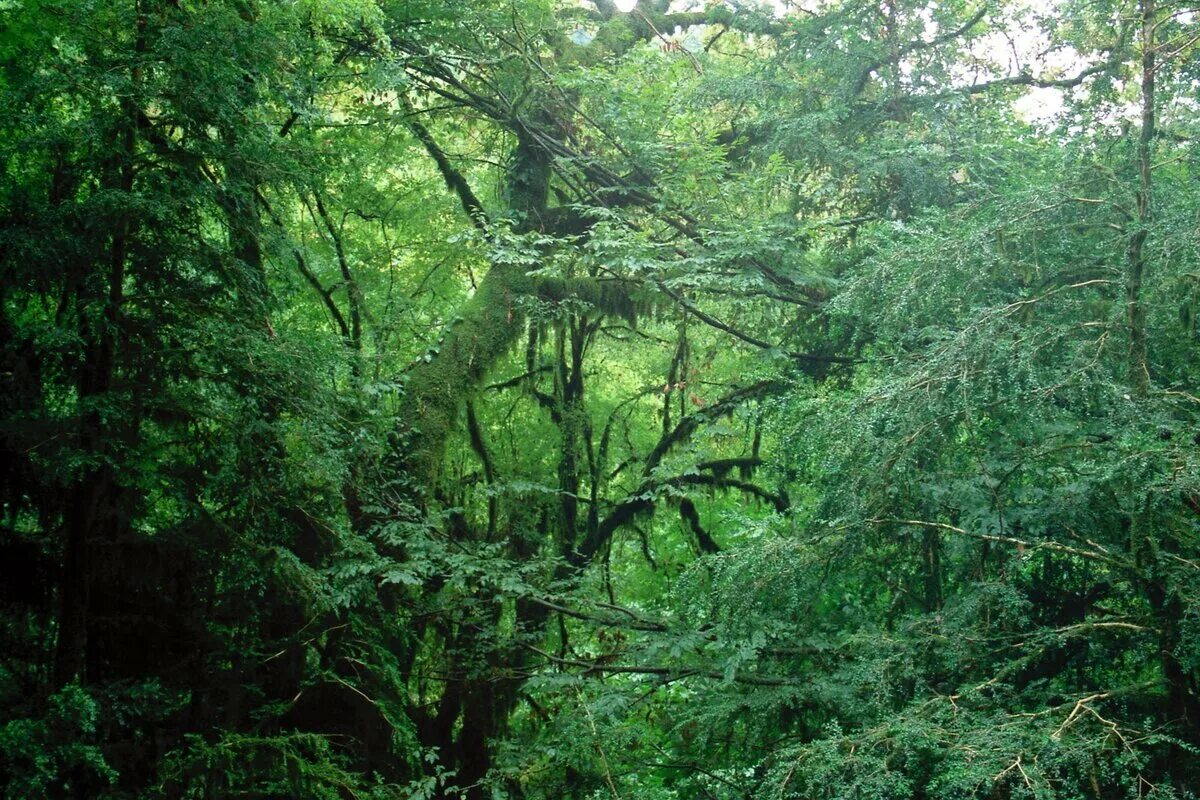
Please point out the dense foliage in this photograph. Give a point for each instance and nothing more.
(536, 399)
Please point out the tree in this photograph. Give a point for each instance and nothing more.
(539, 399)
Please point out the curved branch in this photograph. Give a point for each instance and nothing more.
(642, 500)
(454, 179)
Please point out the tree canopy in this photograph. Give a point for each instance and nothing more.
(541, 399)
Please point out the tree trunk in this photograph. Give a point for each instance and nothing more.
(1139, 373)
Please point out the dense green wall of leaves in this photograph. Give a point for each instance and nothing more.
(533, 399)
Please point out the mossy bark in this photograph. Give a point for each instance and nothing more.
(491, 321)
(490, 324)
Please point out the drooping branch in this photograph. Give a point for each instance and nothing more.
(805, 358)
(688, 425)
(689, 514)
(354, 294)
(326, 296)
(643, 499)
(454, 179)
(306, 272)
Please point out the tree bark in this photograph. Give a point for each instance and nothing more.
(1139, 373)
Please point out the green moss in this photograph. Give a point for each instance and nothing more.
(492, 322)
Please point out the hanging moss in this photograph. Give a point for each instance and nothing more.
(492, 321)
(606, 296)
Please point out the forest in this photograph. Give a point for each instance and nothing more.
(600, 399)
